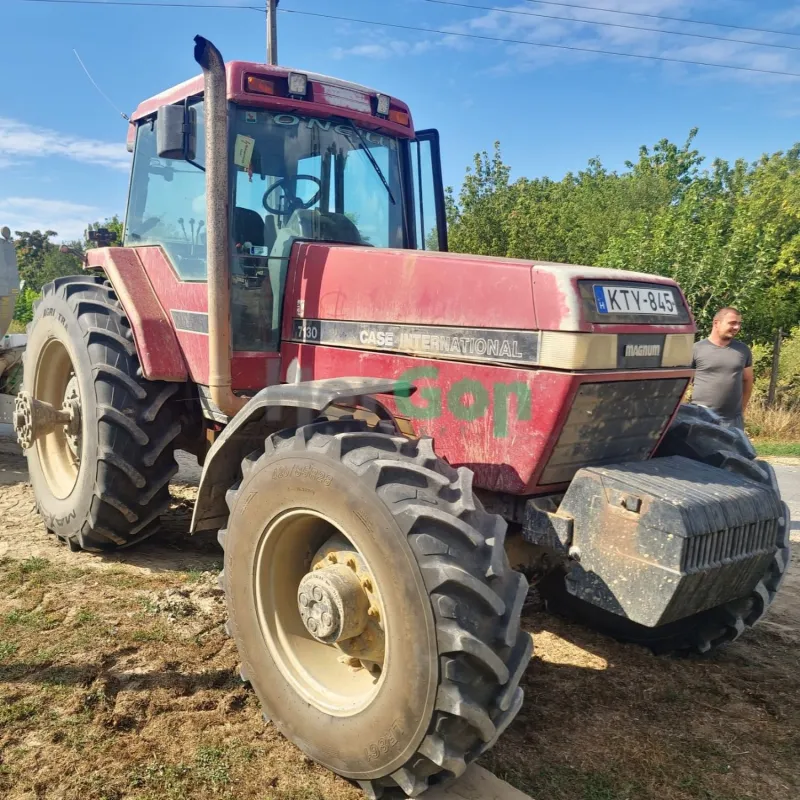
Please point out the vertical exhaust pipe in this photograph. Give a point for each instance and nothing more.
(217, 223)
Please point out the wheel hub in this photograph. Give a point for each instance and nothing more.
(35, 418)
(72, 405)
(333, 604)
(320, 612)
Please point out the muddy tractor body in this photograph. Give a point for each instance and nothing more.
(378, 420)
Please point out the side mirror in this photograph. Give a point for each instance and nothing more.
(176, 132)
(102, 237)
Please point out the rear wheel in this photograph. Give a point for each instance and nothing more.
(373, 606)
(102, 480)
(695, 433)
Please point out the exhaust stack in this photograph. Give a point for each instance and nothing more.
(217, 223)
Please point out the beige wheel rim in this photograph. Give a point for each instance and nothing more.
(60, 450)
(306, 568)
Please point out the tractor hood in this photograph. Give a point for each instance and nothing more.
(483, 308)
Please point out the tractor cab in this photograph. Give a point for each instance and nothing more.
(310, 158)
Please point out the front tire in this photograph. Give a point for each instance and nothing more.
(103, 485)
(439, 583)
(695, 433)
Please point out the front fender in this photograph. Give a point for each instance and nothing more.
(157, 346)
(273, 409)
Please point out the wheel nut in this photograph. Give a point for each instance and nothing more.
(317, 593)
(351, 562)
(367, 584)
(373, 612)
(312, 624)
(332, 558)
(304, 601)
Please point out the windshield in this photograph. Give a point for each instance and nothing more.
(297, 177)
(287, 163)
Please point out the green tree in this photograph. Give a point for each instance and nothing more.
(31, 248)
(478, 222)
(41, 260)
(729, 234)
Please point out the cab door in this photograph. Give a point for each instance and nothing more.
(430, 218)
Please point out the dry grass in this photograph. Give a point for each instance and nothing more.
(112, 692)
(604, 721)
(781, 423)
(117, 682)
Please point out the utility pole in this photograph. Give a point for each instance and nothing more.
(272, 31)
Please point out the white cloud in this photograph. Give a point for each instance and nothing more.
(68, 219)
(657, 42)
(535, 24)
(383, 50)
(20, 142)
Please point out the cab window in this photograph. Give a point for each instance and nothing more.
(167, 204)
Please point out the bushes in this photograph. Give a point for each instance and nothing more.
(787, 392)
(781, 422)
(23, 311)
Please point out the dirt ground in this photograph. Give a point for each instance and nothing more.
(117, 681)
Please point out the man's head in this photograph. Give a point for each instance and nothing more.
(727, 323)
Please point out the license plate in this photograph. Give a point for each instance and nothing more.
(635, 300)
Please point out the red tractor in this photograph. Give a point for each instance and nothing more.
(373, 415)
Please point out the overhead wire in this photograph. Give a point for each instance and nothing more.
(605, 9)
(612, 24)
(146, 4)
(661, 16)
(552, 45)
(435, 31)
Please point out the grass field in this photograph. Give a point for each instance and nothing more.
(768, 448)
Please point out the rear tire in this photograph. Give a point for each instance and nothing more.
(695, 433)
(450, 604)
(106, 487)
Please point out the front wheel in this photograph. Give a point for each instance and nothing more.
(373, 606)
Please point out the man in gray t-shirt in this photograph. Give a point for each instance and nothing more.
(723, 378)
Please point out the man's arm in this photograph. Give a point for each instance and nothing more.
(747, 386)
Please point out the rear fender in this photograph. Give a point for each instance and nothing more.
(273, 409)
(157, 345)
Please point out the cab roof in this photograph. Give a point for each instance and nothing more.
(326, 96)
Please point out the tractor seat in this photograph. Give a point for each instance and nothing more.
(249, 226)
(314, 225)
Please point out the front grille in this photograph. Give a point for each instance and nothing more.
(612, 422)
(722, 547)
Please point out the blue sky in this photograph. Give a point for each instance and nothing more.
(62, 149)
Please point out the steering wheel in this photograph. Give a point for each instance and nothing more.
(287, 204)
